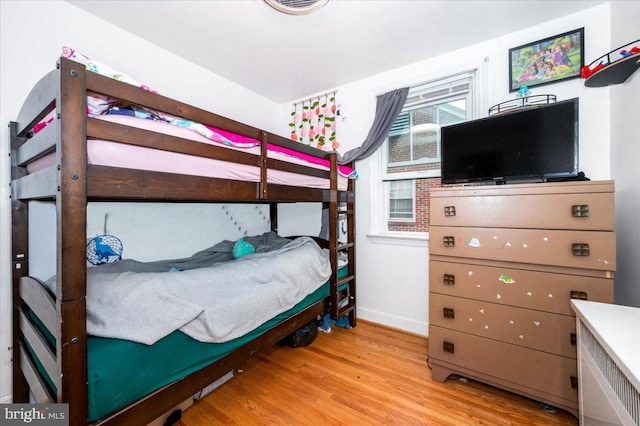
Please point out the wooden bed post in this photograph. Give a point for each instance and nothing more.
(351, 232)
(19, 267)
(333, 235)
(273, 216)
(263, 187)
(71, 207)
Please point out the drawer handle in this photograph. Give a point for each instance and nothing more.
(580, 295)
(580, 210)
(448, 313)
(580, 249)
(574, 339)
(449, 241)
(449, 210)
(574, 382)
(448, 347)
(449, 279)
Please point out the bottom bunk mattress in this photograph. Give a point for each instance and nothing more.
(121, 372)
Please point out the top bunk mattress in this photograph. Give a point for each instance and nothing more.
(115, 154)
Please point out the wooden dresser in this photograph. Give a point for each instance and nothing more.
(505, 261)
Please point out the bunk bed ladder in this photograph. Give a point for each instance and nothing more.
(342, 216)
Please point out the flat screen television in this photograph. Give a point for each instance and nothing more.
(532, 143)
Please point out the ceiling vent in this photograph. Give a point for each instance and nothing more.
(296, 7)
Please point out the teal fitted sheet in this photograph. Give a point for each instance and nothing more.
(120, 371)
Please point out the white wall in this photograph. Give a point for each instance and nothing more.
(625, 153)
(31, 39)
(393, 274)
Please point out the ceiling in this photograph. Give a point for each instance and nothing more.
(288, 57)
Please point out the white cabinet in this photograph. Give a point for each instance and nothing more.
(608, 363)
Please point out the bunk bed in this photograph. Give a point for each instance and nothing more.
(55, 359)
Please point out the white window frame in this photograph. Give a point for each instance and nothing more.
(379, 232)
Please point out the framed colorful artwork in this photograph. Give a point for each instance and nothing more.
(547, 61)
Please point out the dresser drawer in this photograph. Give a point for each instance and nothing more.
(547, 291)
(548, 211)
(575, 249)
(542, 331)
(534, 373)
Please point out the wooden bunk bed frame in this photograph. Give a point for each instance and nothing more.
(72, 182)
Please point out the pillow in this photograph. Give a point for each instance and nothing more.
(99, 104)
(242, 248)
(99, 67)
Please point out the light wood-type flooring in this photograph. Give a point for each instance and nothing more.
(369, 375)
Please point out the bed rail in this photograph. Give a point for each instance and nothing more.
(126, 92)
(39, 145)
(38, 299)
(37, 384)
(36, 353)
(39, 346)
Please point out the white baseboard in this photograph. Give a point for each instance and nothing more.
(7, 399)
(406, 324)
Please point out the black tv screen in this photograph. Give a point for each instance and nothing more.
(532, 143)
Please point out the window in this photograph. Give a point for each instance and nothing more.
(411, 165)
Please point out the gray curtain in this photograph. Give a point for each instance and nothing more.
(388, 106)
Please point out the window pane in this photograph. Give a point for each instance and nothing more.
(414, 139)
(401, 189)
(401, 209)
(452, 112)
(401, 199)
(425, 132)
(399, 148)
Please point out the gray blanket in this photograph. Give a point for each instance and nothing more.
(220, 252)
(211, 304)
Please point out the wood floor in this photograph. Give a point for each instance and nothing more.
(369, 375)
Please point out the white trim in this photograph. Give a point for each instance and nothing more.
(409, 163)
(419, 81)
(418, 174)
(417, 327)
(376, 190)
(412, 239)
(480, 90)
(7, 399)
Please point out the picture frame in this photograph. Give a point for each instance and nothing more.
(546, 61)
